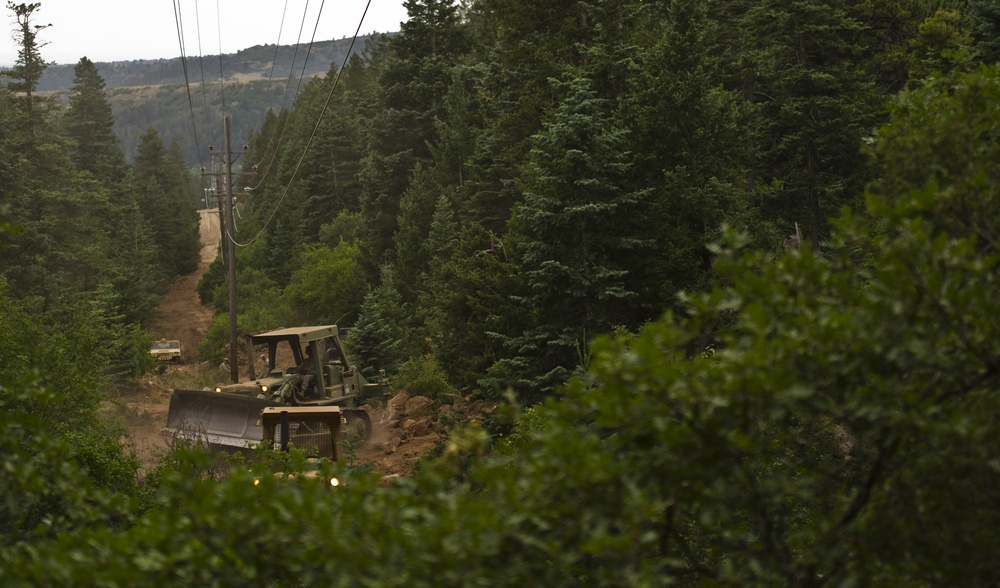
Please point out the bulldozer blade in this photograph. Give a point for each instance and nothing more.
(222, 421)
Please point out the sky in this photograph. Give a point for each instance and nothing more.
(124, 30)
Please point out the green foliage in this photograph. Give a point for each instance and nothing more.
(379, 337)
(813, 107)
(423, 376)
(29, 66)
(841, 433)
(213, 347)
(951, 121)
(985, 17)
(821, 418)
(943, 43)
(210, 281)
(89, 122)
(686, 135)
(469, 297)
(345, 227)
(578, 228)
(166, 198)
(46, 490)
(326, 289)
(408, 102)
(66, 348)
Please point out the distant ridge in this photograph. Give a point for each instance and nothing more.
(150, 93)
(245, 65)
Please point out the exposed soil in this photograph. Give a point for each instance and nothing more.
(398, 439)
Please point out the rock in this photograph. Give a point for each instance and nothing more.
(399, 400)
(397, 408)
(419, 406)
(418, 428)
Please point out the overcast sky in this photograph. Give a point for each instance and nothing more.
(123, 30)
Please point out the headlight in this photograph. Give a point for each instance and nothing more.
(218, 388)
(263, 388)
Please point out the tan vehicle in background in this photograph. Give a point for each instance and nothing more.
(167, 350)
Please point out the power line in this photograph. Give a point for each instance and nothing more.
(284, 95)
(187, 83)
(201, 66)
(222, 73)
(315, 130)
(180, 31)
(274, 63)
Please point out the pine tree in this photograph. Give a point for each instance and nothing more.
(416, 211)
(378, 339)
(533, 43)
(815, 104)
(943, 44)
(167, 201)
(985, 15)
(578, 245)
(408, 102)
(89, 123)
(29, 66)
(688, 149)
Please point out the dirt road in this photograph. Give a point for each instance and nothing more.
(185, 319)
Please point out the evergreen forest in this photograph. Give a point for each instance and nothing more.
(724, 267)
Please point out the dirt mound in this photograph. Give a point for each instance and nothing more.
(410, 428)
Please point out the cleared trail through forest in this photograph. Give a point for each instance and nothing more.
(182, 317)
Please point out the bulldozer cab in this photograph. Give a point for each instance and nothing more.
(313, 350)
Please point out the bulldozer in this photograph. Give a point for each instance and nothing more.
(316, 430)
(318, 374)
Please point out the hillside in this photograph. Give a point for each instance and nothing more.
(153, 93)
(245, 65)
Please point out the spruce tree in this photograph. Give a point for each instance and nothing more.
(985, 15)
(688, 149)
(578, 244)
(815, 104)
(29, 66)
(89, 122)
(416, 211)
(379, 337)
(166, 199)
(408, 101)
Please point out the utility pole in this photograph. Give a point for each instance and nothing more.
(227, 225)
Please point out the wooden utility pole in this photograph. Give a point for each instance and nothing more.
(228, 237)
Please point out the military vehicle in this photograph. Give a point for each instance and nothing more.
(317, 374)
(315, 430)
(167, 350)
